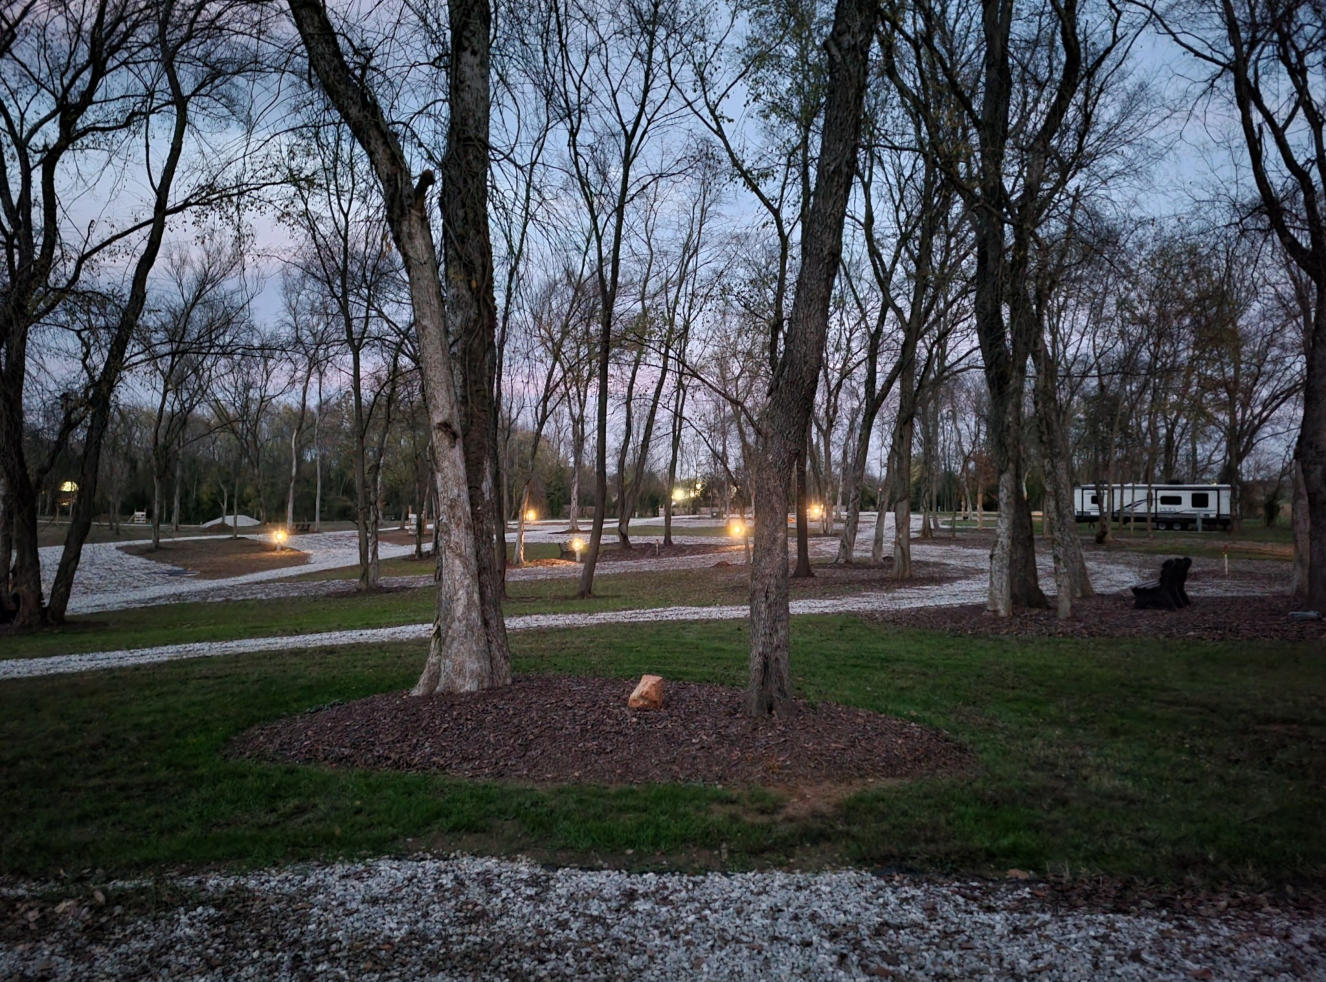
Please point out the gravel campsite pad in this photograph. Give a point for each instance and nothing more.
(549, 729)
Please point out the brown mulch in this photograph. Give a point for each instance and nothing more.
(548, 729)
(219, 558)
(1208, 619)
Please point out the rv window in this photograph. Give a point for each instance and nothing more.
(1171, 499)
(1201, 499)
(1095, 499)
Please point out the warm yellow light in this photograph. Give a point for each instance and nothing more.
(531, 515)
(279, 535)
(816, 511)
(736, 528)
(577, 544)
(69, 487)
(678, 495)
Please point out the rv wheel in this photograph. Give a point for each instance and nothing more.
(1163, 526)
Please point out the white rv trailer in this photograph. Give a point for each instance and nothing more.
(1171, 506)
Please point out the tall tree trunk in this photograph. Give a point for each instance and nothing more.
(461, 657)
(1071, 579)
(674, 450)
(472, 309)
(1299, 517)
(7, 610)
(317, 459)
(100, 395)
(853, 478)
(803, 570)
(157, 478)
(175, 495)
(577, 461)
(591, 556)
(518, 557)
(785, 420)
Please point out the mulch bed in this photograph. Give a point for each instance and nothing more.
(1112, 616)
(220, 557)
(548, 729)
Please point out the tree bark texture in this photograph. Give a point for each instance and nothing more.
(459, 658)
(785, 420)
(471, 313)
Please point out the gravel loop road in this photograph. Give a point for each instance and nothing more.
(467, 918)
(1112, 573)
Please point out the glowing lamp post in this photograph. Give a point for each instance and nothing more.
(740, 529)
(577, 544)
(68, 492)
(530, 516)
(279, 537)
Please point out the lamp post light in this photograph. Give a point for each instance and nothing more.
(740, 528)
(577, 544)
(68, 491)
(279, 537)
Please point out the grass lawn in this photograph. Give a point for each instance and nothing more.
(180, 623)
(1256, 541)
(1171, 763)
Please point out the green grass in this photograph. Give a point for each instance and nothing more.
(182, 623)
(1255, 541)
(1162, 761)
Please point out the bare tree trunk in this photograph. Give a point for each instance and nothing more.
(317, 459)
(461, 657)
(853, 475)
(678, 408)
(156, 506)
(577, 461)
(175, 497)
(472, 308)
(900, 491)
(518, 558)
(785, 419)
(294, 451)
(1071, 579)
(1299, 515)
(803, 570)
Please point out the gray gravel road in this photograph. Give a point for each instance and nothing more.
(471, 918)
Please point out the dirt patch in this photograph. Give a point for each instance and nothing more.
(1208, 619)
(218, 559)
(548, 729)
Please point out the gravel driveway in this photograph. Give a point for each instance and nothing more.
(464, 918)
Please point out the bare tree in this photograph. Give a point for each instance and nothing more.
(468, 648)
(1029, 96)
(612, 96)
(1269, 55)
(786, 417)
(88, 87)
(198, 320)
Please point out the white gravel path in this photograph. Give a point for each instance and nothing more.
(1112, 574)
(109, 578)
(466, 918)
